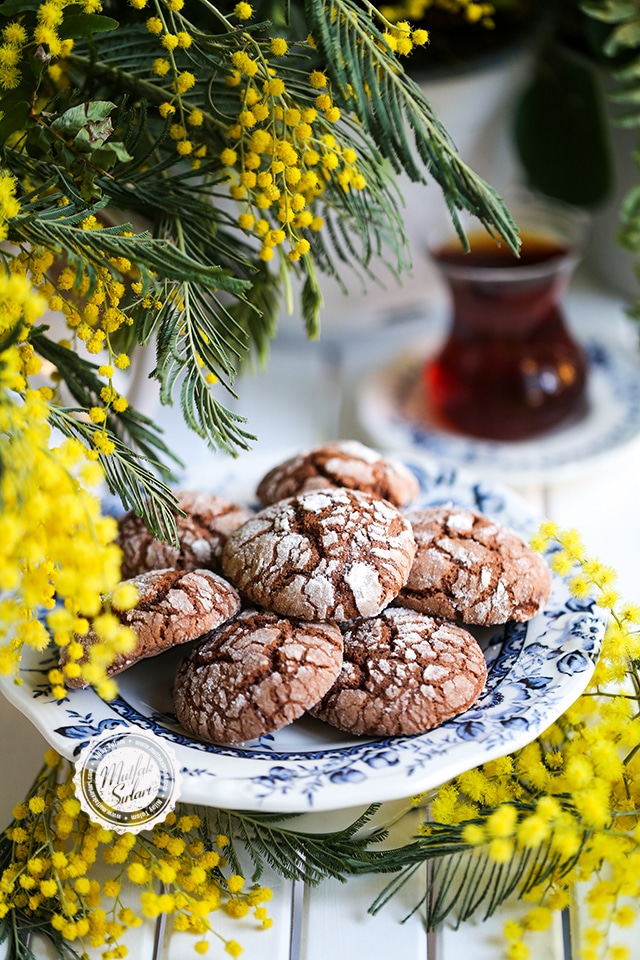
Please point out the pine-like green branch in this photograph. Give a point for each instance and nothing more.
(130, 477)
(389, 104)
(461, 881)
(84, 385)
(297, 855)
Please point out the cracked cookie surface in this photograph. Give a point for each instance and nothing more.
(325, 555)
(471, 568)
(255, 674)
(202, 534)
(174, 606)
(403, 673)
(346, 463)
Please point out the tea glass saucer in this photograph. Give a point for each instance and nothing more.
(392, 410)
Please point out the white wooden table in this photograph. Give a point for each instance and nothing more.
(304, 397)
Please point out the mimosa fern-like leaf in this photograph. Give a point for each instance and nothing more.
(311, 857)
(128, 476)
(388, 103)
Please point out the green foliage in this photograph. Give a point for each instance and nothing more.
(77, 25)
(18, 931)
(590, 57)
(296, 855)
(208, 335)
(12, 7)
(80, 377)
(622, 44)
(625, 18)
(132, 477)
(463, 881)
(389, 104)
(561, 129)
(86, 130)
(92, 140)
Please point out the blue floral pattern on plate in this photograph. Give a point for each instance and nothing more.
(535, 671)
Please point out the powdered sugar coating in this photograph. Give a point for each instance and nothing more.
(174, 606)
(202, 534)
(254, 675)
(471, 568)
(325, 555)
(345, 463)
(403, 673)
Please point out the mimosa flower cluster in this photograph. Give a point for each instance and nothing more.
(90, 303)
(471, 10)
(16, 40)
(283, 154)
(571, 799)
(281, 149)
(179, 869)
(57, 556)
(285, 149)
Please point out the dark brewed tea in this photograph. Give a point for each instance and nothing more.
(510, 368)
(486, 252)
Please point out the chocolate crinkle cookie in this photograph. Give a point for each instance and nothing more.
(174, 606)
(325, 555)
(202, 534)
(471, 568)
(345, 463)
(254, 675)
(403, 673)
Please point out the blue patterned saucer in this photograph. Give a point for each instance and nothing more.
(535, 671)
(392, 412)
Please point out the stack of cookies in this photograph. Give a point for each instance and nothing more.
(334, 599)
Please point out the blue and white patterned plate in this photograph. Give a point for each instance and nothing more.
(392, 411)
(536, 670)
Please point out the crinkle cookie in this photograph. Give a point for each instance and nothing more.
(325, 555)
(254, 675)
(402, 673)
(202, 534)
(470, 568)
(175, 606)
(345, 463)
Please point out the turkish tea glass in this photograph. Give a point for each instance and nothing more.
(510, 368)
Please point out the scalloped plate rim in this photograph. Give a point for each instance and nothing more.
(373, 770)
